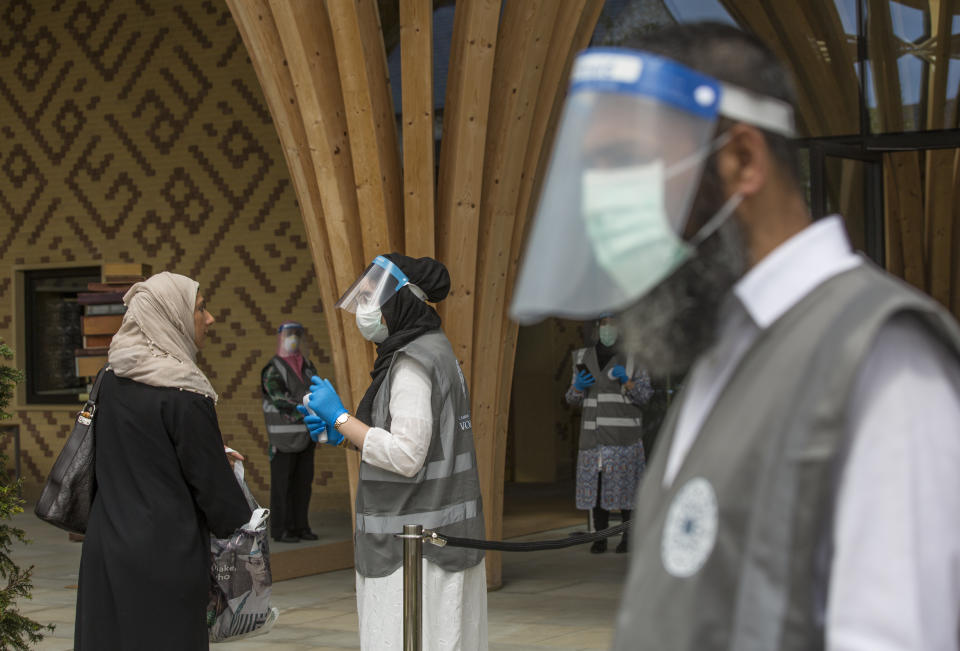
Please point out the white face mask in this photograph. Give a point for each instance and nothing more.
(291, 344)
(608, 335)
(628, 227)
(370, 325)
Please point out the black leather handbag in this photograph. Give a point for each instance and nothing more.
(68, 493)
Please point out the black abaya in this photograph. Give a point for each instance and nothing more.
(163, 483)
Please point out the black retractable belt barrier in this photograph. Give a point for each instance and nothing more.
(413, 538)
(442, 540)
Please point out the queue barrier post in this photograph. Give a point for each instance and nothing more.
(412, 586)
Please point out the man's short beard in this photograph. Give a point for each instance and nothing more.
(675, 322)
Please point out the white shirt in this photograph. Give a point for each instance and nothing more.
(895, 573)
(403, 449)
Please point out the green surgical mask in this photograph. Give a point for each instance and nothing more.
(608, 335)
(628, 228)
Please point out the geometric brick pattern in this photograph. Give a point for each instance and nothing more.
(135, 130)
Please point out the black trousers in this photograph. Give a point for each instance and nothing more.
(601, 517)
(291, 482)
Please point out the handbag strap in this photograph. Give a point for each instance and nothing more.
(94, 392)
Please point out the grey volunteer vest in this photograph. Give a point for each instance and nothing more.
(444, 495)
(607, 417)
(735, 553)
(284, 435)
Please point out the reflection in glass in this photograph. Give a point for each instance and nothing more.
(806, 182)
(844, 185)
(914, 80)
(55, 333)
(818, 42)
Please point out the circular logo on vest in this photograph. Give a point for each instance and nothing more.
(691, 528)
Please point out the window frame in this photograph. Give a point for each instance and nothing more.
(25, 336)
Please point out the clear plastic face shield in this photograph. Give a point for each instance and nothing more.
(289, 339)
(374, 287)
(634, 137)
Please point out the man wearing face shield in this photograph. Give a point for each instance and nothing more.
(804, 492)
(608, 389)
(418, 464)
(284, 382)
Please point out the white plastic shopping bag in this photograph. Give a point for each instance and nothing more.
(241, 582)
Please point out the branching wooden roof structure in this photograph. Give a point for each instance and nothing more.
(322, 67)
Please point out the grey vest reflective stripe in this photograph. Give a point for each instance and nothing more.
(284, 435)
(607, 416)
(444, 495)
(768, 450)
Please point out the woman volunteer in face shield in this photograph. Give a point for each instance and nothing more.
(418, 461)
(283, 383)
(609, 391)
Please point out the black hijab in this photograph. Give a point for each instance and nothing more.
(407, 317)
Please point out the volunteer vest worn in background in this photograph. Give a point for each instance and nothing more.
(735, 553)
(607, 416)
(284, 435)
(444, 495)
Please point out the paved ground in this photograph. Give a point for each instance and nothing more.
(564, 599)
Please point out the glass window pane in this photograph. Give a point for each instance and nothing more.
(803, 156)
(844, 181)
(53, 320)
(913, 80)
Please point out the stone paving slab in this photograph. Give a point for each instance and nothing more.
(560, 599)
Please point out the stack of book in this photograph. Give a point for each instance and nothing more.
(103, 310)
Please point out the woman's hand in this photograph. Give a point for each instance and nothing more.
(324, 401)
(618, 372)
(232, 455)
(316, 426)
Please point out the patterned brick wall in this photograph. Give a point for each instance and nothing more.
(135, 130)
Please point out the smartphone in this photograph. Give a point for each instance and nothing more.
(582, 367)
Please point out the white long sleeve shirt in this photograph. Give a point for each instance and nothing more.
(895, 572)
(403, 449)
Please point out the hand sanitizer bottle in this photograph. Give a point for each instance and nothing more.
(322, 438)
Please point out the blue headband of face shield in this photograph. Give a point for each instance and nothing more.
(629, 72)
(627, 163)
(622, 71)
(394, 271)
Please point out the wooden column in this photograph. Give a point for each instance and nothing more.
(262, 40)
(370, 123)
(939, 175)
(461, 164)
(955, 270)
(883, 60)
(416, 58)
(512, 107)
(903, 201)
(573, 25)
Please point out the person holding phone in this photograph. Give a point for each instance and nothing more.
(610, 461)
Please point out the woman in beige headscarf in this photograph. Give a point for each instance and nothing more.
(163, 481)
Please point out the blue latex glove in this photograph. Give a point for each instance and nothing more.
(583, 380)
(620, 373)
(317, 426)
(324, 401)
